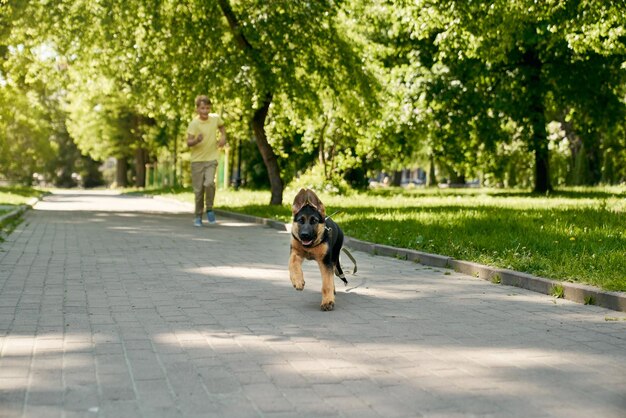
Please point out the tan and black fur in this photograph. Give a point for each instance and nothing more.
(315, 237)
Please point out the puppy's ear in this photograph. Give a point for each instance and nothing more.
(299, 201)
(308, 197)
(315, 201)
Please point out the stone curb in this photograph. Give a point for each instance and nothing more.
(14, 213)
(571, 291)
(281, 226)
(18, 210)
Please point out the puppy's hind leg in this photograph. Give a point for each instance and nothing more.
(336, 249)
(339, 273)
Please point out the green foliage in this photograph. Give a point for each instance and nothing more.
(315, 179)
(24, 143)
(505, 91)
(466, 78)
(34, 141)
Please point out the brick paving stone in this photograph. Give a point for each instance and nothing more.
(116, 306)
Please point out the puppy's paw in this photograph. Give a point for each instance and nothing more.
(298, 283)
(328, 305)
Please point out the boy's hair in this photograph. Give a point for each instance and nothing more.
(203, 99)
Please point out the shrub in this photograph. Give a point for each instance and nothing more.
(314, 179)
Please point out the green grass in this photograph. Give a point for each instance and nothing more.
(18, 195)
(576, 235)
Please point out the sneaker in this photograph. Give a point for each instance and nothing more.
(210, 215)
(198, 221)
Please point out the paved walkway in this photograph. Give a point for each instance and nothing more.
(117, 306)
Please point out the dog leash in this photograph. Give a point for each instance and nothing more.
(333, 214)
(345, 250)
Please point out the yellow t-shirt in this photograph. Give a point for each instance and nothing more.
(207, 149)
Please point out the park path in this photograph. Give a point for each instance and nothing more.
(116, 306)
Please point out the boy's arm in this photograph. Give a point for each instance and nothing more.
(222, 136)
(193, 139)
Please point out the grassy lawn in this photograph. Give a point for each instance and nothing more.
(576, 235)
(18, 195)
(13, 196)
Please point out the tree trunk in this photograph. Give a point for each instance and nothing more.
(141, 158)
(269, 158)
(537, 117)
(322, 150)
(258, 120)
(121, 170)
(539, 145)
(396, 179)
(432, 180)
(456, 178)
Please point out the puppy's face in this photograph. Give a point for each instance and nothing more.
(308, 218)
(308, 226)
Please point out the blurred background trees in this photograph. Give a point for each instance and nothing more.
(509, 92)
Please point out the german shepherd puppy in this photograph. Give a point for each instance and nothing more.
(315, 237)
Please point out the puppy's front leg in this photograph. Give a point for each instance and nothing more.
(328, 287)
(295, 271)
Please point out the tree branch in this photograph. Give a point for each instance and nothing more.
(235, 27)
